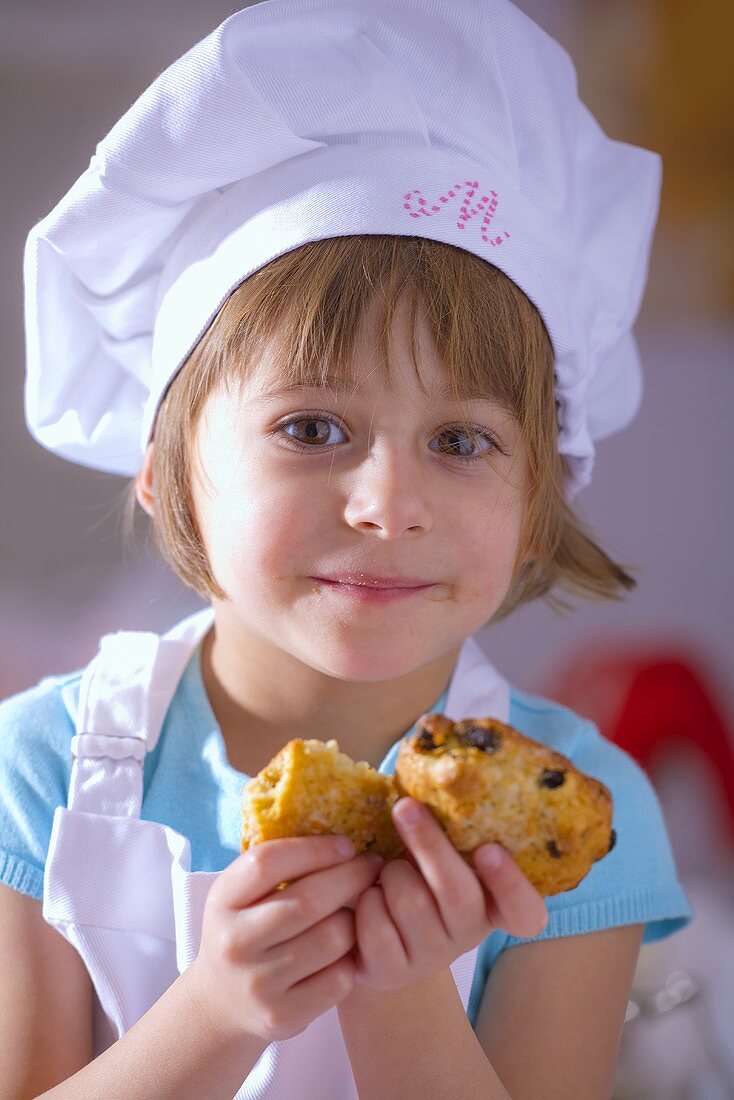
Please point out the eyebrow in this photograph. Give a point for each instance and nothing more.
(444, 392)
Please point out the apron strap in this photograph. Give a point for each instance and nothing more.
(477, 689)
(124, 695)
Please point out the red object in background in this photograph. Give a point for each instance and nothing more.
(646, 700)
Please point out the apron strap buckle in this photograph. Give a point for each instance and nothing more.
(109, 745)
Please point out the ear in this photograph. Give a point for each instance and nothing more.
(144, 482)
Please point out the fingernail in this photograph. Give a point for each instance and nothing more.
(490, 858)
(409, 811)
(375, 860)
(344, 846)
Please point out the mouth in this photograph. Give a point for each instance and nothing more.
(386, 590)
(369, 580)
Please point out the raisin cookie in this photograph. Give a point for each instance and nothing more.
(311, 787)
(485, 781)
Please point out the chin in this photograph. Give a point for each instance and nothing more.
(367, 663)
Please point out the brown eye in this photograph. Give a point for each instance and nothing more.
(463, 450)
(307, 430)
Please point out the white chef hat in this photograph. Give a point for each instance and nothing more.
(300, 120)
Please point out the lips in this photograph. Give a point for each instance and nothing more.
(369, 580)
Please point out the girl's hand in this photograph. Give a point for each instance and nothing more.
(428, 909)
(270, 960)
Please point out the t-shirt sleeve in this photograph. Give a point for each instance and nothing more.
(637, 882)
(35, 770)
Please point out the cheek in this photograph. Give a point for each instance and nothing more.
(257, 528)
(489, 544)
(488, 563)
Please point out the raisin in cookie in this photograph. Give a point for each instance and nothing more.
(311, 787)
(485, 781)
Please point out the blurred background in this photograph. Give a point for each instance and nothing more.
(656, 671)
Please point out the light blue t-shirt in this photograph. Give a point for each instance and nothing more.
(189, 784)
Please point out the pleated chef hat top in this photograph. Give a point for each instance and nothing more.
(299, 120)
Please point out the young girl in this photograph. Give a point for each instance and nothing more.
(349, 292)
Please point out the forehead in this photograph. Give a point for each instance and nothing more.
(273, 387)
(358, 367)
(274, 375)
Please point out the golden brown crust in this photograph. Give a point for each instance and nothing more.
(485, 781)
(482, 779)
(310, 787)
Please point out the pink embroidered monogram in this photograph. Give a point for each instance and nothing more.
(490, 204)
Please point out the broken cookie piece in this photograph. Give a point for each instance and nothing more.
(485, 781)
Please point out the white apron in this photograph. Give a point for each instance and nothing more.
(120, 889)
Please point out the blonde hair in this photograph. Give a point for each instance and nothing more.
(490, 338)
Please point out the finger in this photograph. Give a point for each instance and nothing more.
(258, 871)
(516, 906)
(307, 902)
(313, 950)
(374, 859)
(377, 937)
(413, 910)
(316, 995)
(456, 891)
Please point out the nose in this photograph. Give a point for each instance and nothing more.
(387, 494)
